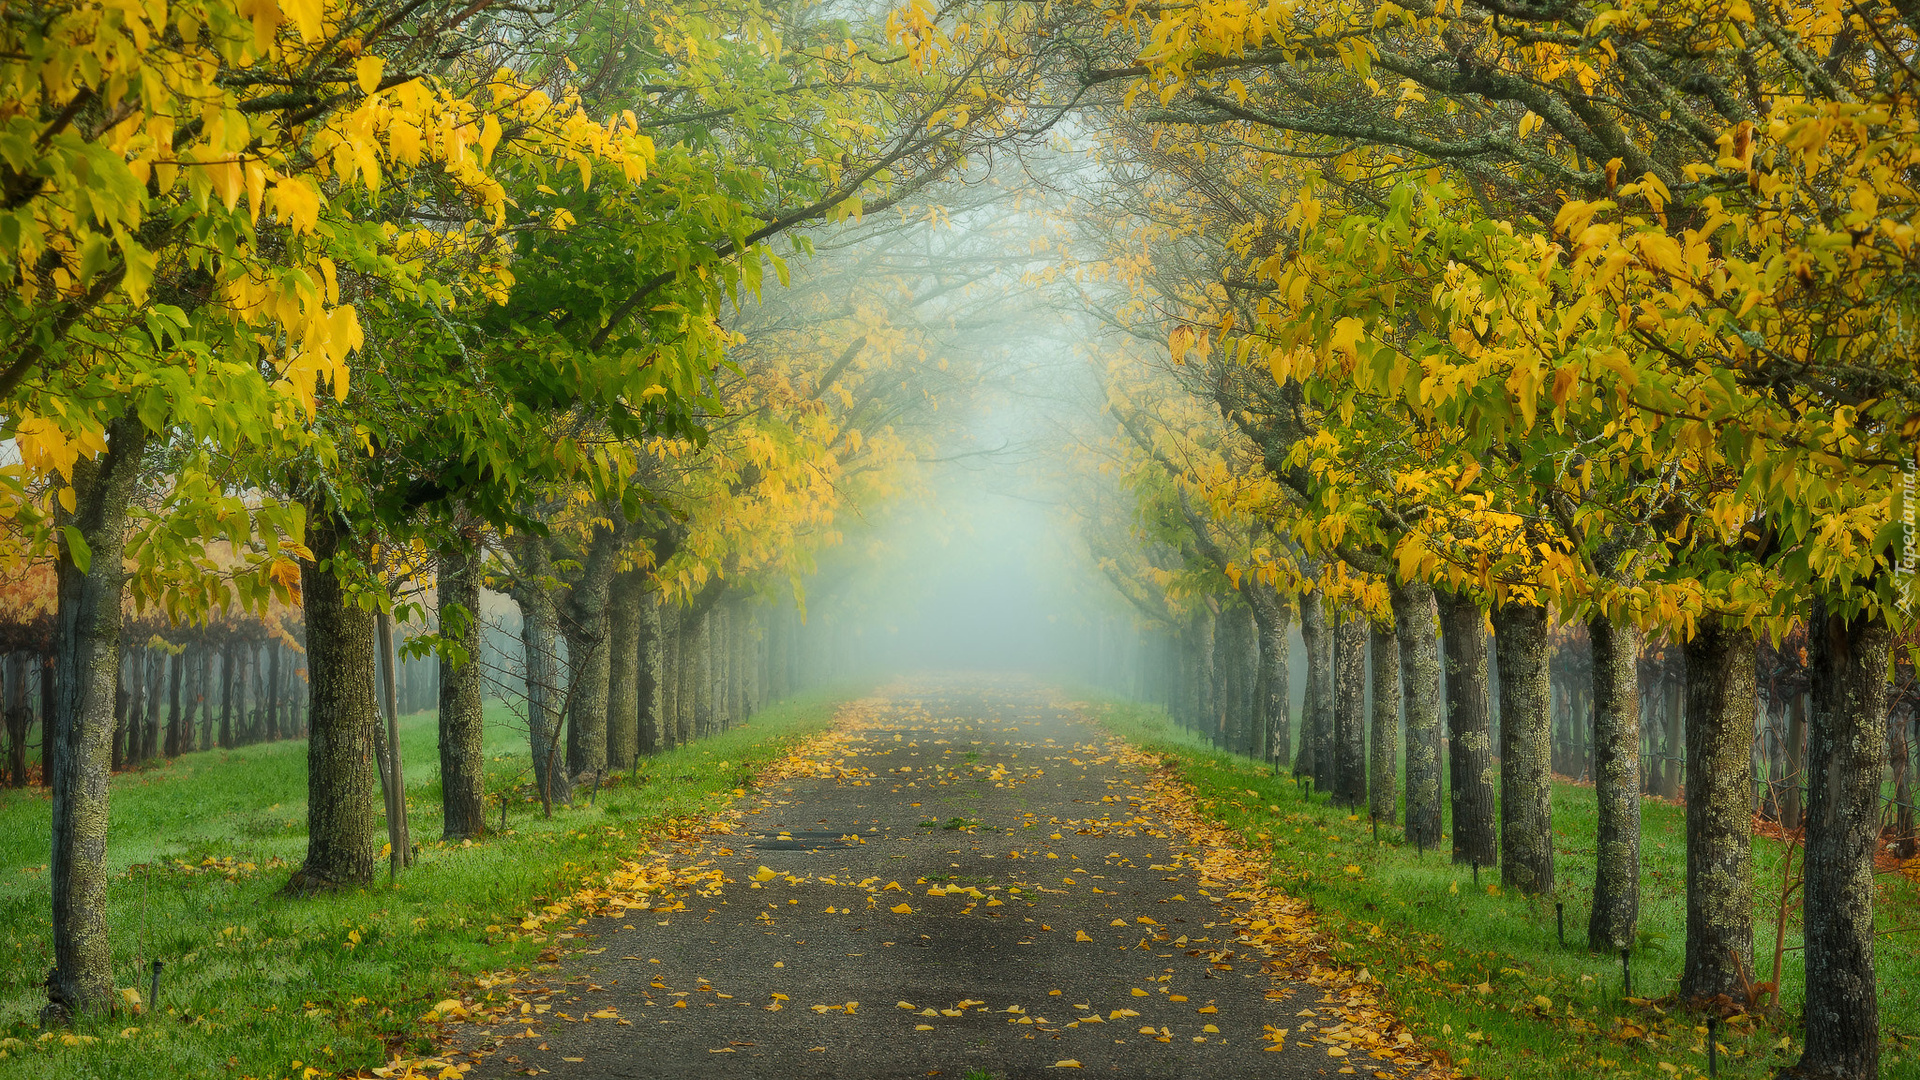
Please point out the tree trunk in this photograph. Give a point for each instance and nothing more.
(1349, 711)
(87, 648)
(719, 636)
(203, 697)
(340, 664)
(226, 693)
(623, 669)
(1719, 718)
(18, 717)
(539, 628)
(702, 645)
(1526, 733)
(273, 690)
(1383, 799)
(463, 772)
(1469, 743)
(150, 726)
(126, 743)
(397, 828)
(673, 675)
(1271, 615)
(1675, 750)
(1616, 784)
(685, 696)
(1192, 699)
(1206, 717)
(1902, 748)
(1793, 793)
(653, 681)
(49, 707)
(1846, 754)
(1318, 710)
(176, 676)
(588, 655)
(1220, 728)
(1417, 631)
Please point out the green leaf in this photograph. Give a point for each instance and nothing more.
(77, 548)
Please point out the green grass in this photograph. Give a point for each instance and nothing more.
(253, 981)
(1464, 966)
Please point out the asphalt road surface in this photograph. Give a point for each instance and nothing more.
(1036, 952)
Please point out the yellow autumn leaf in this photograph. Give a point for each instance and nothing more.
(901, 909)
(1082, 935)
(367, 71)
(307, 18)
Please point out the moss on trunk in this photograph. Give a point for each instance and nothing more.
(1616, 783)
(1349, 712)
(1526, 748)
(341, 713)
(1720, 726)
(1416, 629)
(1846, 755)
(462, 764)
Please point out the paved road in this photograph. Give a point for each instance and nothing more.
(1037, 952)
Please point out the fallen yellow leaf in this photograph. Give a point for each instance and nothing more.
(1081, 935)
(1066, 1063)
(901, 909)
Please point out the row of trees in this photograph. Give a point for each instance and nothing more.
(360, 309)
(1488, 316)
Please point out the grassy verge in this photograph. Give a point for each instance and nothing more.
(1479, 973)
(256, 985)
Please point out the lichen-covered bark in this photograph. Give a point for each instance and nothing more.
(463, 779)
(681, 677)
(590, 678)
(1720, 725)
(341, 714)
(1526, 748)
(623, 669)
(1417, 631)
(1383, 800)
(539, 633)
(79, 730)
(1615, 917)
(700, 643)
(1349, 712)
(1469, 735)
(586, 628)
(652, 650)
(1316, 714)
(1271, 615)
(1846, 754)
